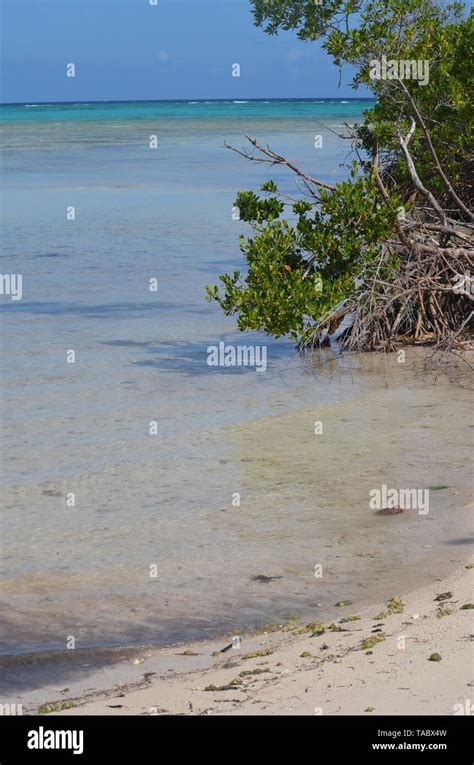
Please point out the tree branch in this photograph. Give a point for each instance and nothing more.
(413, 172)
(276, 159)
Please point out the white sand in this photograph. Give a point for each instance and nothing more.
(338, 678)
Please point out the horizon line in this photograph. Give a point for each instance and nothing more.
(183, 100)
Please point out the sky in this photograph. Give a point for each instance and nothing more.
(131, 50)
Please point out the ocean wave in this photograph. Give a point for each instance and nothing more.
(240, 102)
(31, 106)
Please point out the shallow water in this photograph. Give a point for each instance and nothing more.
(167, 499)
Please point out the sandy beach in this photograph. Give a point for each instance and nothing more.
(411, 654)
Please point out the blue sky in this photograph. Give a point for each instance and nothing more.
(129, 50)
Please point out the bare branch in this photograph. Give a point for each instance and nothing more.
(413, 172)
(276, 159)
